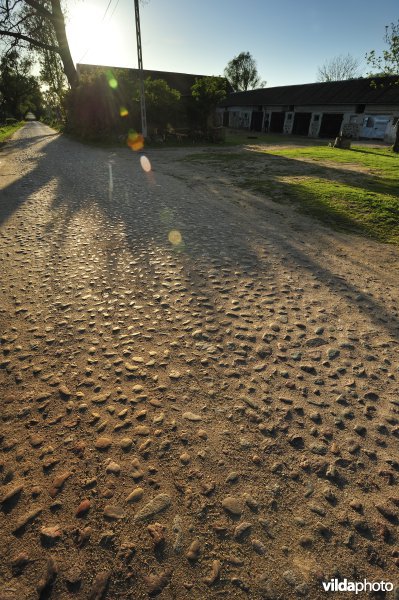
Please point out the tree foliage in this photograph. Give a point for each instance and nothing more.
(206, 92)
(388, 63)
(19, 91)
(242, 73)
(38, 25)
(162, 103)
(339, 68)
(106, 104)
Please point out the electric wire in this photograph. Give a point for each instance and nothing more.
(102, 20)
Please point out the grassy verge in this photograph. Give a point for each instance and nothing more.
(353, 190)
(6, 131)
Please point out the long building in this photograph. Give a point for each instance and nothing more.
(359, 108)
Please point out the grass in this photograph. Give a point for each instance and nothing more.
(6, 131)
(353, 190)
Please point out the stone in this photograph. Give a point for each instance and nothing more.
(49, 578)
(232, 505)
(23, 521)
(50, 534)
(113, 467)
(386, 511)
(175, 375)
(191, 416)
(114, 512)
(258, 546)
(58, 483)
(64, 391)
(178, 531)
(157, 533)
(242, 530)
(193, 552)
(126, 443)
(83, 508)
(155, 506)
(100, 585)
(135, 495)
(214, 574)
(103, 443)
(141, 430)
(136, 471)
(10, 493)
(185, 458)
(156, 582)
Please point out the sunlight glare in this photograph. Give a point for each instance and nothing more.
(88, 34)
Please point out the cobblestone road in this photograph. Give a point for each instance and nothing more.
(199, 388)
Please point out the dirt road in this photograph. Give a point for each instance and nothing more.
(199, 388)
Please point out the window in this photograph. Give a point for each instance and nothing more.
(360, 108)
(316, 118)
(289, 116)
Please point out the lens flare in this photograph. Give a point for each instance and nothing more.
(135, 140)
(112, 82)
(175, 237)
(145, 164)
(123, 111)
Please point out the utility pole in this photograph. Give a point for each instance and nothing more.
(141, 74)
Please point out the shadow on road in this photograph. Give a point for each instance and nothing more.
(142, 209)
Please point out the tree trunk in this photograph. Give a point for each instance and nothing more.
(65, 53)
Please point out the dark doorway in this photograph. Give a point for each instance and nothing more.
(301, 123)
(330, 125)
(256, 120)
(277, 122)
(226, 119)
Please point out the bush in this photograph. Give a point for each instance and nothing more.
(106, 105)
(97, 109)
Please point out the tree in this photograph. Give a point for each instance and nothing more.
(19, 91)
(162, 102)
(388, 63)
(339, 68)
(38, 25)
(207, 92)
(242, 73)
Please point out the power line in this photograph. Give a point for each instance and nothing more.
(112, 14)
(102, 20)
(106, 10)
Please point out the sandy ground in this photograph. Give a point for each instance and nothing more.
(199, 387)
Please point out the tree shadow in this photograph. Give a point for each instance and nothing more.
(137, 211)
(362, 151)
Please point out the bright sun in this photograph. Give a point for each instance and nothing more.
(91, 36)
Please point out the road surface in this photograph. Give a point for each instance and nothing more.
(199, 388)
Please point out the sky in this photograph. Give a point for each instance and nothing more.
(288, 39)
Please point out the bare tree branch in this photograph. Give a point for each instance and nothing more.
(25, 38)
(339, 68)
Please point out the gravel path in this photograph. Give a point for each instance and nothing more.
(199, 387)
